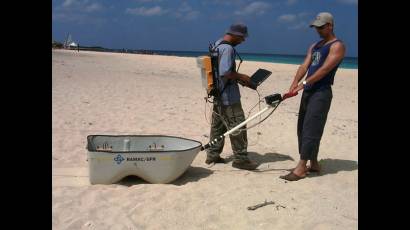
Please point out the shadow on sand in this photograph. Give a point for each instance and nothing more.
(264, 158)
(332, 166)
(192, 174)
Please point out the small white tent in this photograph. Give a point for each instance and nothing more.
(73, 44)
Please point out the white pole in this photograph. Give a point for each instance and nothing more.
(247, 120)
(213, 142)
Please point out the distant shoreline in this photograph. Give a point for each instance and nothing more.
(348, 62)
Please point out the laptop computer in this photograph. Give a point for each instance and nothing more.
(258, 77)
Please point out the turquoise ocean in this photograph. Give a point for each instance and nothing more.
(347, 63)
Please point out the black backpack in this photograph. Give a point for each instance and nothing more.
(214, 55)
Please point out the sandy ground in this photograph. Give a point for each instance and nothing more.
(108, 93)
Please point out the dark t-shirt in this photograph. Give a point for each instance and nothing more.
(319, 55)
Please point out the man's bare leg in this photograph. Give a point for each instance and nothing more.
(314, 166)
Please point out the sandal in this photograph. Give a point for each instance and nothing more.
(292, 177)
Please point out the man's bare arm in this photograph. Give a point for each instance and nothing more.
(335, 56)
(302, 69)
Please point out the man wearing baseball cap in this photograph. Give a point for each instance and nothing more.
(227, 108)
(321, 63)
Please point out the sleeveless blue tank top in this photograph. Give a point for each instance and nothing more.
(319, 55)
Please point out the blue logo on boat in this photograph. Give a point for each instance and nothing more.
(119, 159)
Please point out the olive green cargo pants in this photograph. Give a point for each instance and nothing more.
(231, 116)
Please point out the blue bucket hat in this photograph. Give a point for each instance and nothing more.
(238, 29)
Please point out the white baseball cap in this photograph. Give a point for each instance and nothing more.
(322, 19)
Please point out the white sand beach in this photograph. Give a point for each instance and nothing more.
(114, 93)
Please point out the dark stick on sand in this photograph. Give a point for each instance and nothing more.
(260, 205)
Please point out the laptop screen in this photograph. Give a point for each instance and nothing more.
(258, 77)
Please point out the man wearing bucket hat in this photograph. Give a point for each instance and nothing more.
(227, 108)
(321, 63)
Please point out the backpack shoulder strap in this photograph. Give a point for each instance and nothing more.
(213, 50)
(235, 52)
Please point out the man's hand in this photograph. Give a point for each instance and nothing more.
(298, 87)
(244, 80)
(292, 92)
(289, 94)
(293, 86)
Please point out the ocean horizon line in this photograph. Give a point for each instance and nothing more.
(255, 53)
(295, 59)
(348, 62)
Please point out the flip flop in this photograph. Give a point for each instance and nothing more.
(308, 171)
(292, 177)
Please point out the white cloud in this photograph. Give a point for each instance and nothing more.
(93, 7)
(224, 2)
(303, 14)
(291, 2)
(80, 5)
(192, 15)
(144, 1)
(185, 12)
(80, 19)
(185, 7)
(287, 18)
(255, 8)
(295, 21)
(300, 25)
(153, 11)
(353, 2)
(68, 3)
(78, 11)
